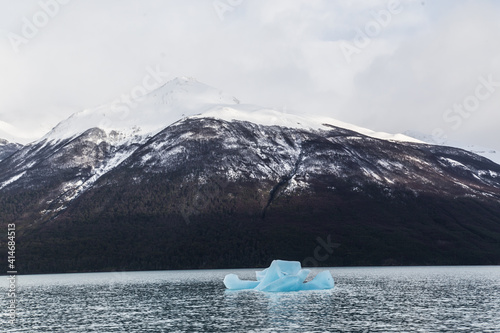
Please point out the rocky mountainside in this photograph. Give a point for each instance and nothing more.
(8, 148)
(232, 185)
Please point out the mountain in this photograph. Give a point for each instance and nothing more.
(489, 153)
(8, 148)
(188, 177)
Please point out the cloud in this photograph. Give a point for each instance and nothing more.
(431, 71)
(282, 54)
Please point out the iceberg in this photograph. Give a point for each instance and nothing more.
(281, 276)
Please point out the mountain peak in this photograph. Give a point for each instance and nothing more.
(186, 97)
(187, 92)
(184, 80)
(176, 99)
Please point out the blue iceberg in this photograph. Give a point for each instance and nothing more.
(282, 275)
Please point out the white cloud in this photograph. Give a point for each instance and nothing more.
(282, 53)
(429, 72)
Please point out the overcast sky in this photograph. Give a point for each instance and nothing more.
(427, 66)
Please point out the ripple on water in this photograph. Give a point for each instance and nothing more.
(396, 299)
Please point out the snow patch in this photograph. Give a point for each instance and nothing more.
(490, 173)
(452, 162)
(390, 165)
(370, 173)
(296, 185)
(12, 180)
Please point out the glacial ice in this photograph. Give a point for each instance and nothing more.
(282, 275)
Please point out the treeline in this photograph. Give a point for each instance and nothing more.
(163, 224)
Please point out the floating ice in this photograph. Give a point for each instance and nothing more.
(282, 275)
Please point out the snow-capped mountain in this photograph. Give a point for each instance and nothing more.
(189, 168)
(186, 97)
(126, 118)
(117, 129)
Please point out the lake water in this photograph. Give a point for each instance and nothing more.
(392, 299)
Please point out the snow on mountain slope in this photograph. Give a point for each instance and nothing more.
(268, 117)
(174, 100)
(185, 97)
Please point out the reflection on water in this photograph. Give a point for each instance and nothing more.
(411, 299)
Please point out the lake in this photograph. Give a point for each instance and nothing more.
(365, 299)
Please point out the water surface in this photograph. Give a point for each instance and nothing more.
(375, 299)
